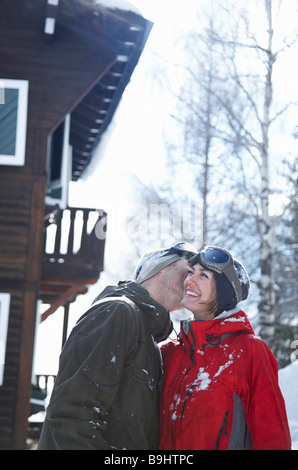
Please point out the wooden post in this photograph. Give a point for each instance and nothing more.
(65, 323)
(29, 314)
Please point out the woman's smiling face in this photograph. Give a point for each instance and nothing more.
(198, 288)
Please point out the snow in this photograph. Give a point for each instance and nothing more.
(202, 381)
(118, 4)
(222, 368)
(288, 381)
(233, 319)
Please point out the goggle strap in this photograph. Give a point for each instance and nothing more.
(230, 273)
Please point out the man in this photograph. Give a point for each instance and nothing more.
(106, 394)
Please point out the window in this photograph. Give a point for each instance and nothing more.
(13, 121)
(4, 315)
(59, 165)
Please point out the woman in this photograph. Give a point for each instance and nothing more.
(221, 384)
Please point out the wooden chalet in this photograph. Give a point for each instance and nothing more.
(64, 65)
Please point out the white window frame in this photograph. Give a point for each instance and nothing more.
(4, 316)
(18, 159)
(65, 176)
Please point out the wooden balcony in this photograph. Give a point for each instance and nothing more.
(72, 258)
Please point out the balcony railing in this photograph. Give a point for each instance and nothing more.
(71, 247)
(73, 255)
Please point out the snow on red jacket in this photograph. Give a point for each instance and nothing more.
(221, 389)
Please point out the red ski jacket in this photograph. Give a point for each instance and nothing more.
(221, 389)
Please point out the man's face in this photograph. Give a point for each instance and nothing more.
(173, 279)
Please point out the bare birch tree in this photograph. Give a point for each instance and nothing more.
(254, 134)
(231, 108)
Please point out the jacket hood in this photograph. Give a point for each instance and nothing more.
(197, 335)
(155, 315)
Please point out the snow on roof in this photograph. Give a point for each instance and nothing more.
(118, 4)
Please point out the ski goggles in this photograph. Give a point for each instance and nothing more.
(184, 250)
(221, 262)
(152, 263)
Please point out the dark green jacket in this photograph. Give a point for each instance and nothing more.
(106, 394)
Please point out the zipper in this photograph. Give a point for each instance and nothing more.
(188, 394)
(223, 430)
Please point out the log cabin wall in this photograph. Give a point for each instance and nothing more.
(60, 71)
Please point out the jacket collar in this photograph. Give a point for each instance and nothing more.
(197, 335)
(156, 317)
